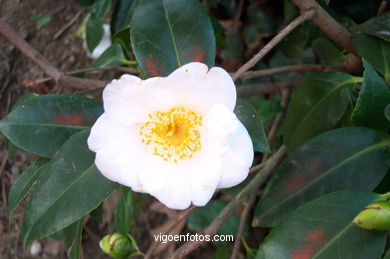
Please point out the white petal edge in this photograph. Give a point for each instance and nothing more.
(237, 159)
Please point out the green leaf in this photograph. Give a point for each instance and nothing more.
(375, 51)
(346, 158)
(112, 56)
(201, 218)
(323, 229)
(327, 53)
(251, 120)
(23, 184)
(41, 20)
(387, 255)
(73, 236)
(68, 188)
(124, 211)
(316, 106)
(174, 33)
(42, 124)
(373, 99)
(101, 8)
(122, 15)
(378, 26)
(94, 32)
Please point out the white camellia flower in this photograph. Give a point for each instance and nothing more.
(173, 137)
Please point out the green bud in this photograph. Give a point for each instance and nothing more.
(375, 216)
(117, 245)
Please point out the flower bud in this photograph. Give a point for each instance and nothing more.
(375, 216)
(117, 245)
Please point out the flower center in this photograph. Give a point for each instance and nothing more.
(172, 135)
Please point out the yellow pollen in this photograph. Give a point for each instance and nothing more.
(173, 135)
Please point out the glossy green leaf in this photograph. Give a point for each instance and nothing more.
(73, 236)
(174, 33)
(323, 229)
(249, 117)
(346, 158)
(94, 32)
(327, 52)
(124, 211)
(23, 184)
(122, 15)
(316, 106)
(112, 56)
(42, 124)
(123, 38)
(373, 98)
(376, 51)
(201, 218)
(378, 26)
(68, 188)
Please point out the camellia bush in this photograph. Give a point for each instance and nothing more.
(289, 153)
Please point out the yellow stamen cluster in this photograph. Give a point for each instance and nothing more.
(173, 135)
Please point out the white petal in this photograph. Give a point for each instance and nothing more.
(237, 159)
(165, 181)
(116, 151)
(218, 88)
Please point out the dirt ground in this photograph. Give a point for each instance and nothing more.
(64, 51)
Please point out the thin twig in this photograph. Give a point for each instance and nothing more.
(243, 196)
(293, 68)
(182, 217)
(272, 43)
(243, 219)
(82, 70)
(67, 25)
(44, 64)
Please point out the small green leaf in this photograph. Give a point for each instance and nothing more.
(373, 99)
(387, 255)
(73, 236)
(175, 32)
(112, 56)
(346, 158)
(23, 184)
(200, 218)
(376, 51)
(323, 229)
(68, 188)
(124, 211)
(41, 20)
(42, 124)
(316, 106)
(251, 120)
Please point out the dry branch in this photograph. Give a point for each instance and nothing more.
(243, 196)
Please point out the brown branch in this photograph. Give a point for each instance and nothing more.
(243, 219)
(272, 43)
(382, 7)
(88, 69)
(44, 64)
(254, 89)
(328, 24)
(182, 217)
(334, 30)
(293, 68)
(243, 196)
